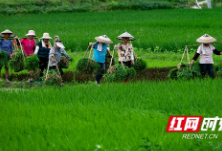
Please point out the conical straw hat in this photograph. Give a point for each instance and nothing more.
(7, 32)
(104, 39)
(206, 39)
(46, 36)
(126, 35)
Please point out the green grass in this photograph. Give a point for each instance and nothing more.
(83, 116)
(169, 29)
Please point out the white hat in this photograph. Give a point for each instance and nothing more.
(46, 36)
(31, 33)
(60, 44)
(104, 39)
(125, 35)
(206, 39)
(7, 32)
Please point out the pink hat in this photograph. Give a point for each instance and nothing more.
(31, 33)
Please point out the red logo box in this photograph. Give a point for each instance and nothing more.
(184, 123)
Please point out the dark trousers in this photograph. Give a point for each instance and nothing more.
(43, 63)
(207, 68)
(128, 63)
(60, 69)
(99, 76)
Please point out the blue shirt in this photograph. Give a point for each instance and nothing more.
(99, 56)
(6, 46)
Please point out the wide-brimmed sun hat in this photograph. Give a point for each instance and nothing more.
(31, 33)
(11, 34)
(46, 36)
(60, 44)
(206, 39)
(126, 35)
(104, 39)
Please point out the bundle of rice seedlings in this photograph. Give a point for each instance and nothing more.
(131, 72)
(218, 70)
(32, 63)
(110, 77)
(13, 55)
(34, 74)
(121, 73)
(88, 66)
(64, 62)
(53, 78)
(173, 73)
(111, 70)
(185, 72)
(17, 63)
(3, 58)
(140, 65)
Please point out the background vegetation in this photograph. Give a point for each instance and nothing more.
(158, 30)
(49, 6)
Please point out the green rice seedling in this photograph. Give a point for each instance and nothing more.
(131, 72)
(17, 63)
(32, 63)
(3, 59)
(140, 65)
(88, 66)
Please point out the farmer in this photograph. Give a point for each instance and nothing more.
(6, 45)
(125, 49)
(42, 50)
(55, 55)
(28, 44)
(205, 51)
(100, 50)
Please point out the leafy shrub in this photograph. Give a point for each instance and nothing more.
(88, 66)
(17, 63)
(3, 58)
(140, 65)
(32, 63)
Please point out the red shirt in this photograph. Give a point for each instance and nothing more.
(28, 46)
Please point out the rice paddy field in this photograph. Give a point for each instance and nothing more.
(121, 117)
(115, 116)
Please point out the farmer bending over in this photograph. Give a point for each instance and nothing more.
(55, 55)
